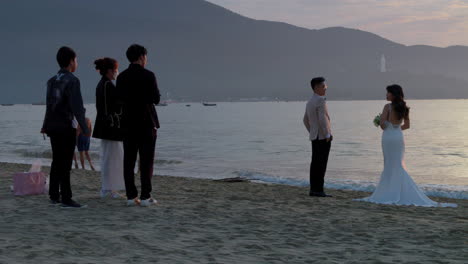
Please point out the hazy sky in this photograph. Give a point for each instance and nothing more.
(432, 22)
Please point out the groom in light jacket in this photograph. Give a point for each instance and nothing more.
(317, 122)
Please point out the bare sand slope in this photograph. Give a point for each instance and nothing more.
(201, 221)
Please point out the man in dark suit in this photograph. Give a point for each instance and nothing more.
(139, 91)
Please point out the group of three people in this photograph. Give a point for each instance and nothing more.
(126, 123)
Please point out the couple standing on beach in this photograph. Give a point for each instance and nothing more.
(126, 113)
(395, 185)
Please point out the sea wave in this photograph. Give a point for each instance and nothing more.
(446, 191)
(47, 155)
(167, 162)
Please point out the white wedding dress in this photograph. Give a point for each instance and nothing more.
(396, 186)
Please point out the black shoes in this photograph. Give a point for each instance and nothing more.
(319, 194)
(71, 204)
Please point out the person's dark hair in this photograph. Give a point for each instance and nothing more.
(105, 64)
(315, 81)
(135, 51)
(64, 56)
(398, 103)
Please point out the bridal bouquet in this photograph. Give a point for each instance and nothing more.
(377, 120)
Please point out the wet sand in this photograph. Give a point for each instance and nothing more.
(202, 221)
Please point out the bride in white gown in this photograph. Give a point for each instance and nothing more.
(395, 185)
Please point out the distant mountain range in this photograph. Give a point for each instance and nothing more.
(201, 51)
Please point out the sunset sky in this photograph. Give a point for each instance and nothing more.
(431, 22)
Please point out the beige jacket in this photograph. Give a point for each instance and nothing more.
(316, 118)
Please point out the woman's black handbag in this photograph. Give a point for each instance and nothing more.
(113, 119)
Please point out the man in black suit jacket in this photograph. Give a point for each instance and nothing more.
(139, 91)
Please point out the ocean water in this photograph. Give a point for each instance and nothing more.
(266, 141)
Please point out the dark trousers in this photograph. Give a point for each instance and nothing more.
(63, 147)
(318, 166)
(140, 141)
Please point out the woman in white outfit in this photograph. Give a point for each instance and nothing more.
(396, 186)
(107, 128)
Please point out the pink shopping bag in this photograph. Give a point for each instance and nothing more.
(29, 183)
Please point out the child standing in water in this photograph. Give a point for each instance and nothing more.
(83, 143)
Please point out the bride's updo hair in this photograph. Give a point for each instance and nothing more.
(105, 64)
(398, 103)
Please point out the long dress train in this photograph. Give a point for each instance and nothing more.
(395, 185)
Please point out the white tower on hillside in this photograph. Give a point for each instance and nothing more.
(383, 64)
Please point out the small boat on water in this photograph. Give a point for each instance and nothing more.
(208, 104)
(188, 105)
(7, 104)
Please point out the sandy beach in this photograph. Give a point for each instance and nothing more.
(202, 221)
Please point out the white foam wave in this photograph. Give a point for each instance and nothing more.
(446, 191)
